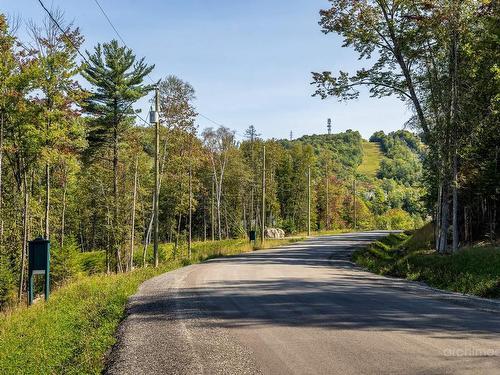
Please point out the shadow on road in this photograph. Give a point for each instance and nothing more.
(345, 298)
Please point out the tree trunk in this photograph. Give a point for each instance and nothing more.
(437, 229)
(455, 203)
(2, 119)
(115, 226)
(132, 225)
(63, 213)
(25, 235)
(443, 230)
(47, 200)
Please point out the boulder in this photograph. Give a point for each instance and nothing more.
(274, 233)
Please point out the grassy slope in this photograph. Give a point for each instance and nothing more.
(71, 333)
(371, 159)
(473, 270)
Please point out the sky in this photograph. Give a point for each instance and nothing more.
(250, 62)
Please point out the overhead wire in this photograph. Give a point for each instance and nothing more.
(115, 29)
(81, 54)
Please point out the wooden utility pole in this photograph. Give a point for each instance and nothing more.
(354, 200)
(309, 201)
(190, 208)
(132, 225)
(263, 222)
(327, 224)
(212, 209)
(157, 175)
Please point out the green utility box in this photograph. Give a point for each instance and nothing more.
(39, 264)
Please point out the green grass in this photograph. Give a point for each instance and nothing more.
(73, 331)
(372, 155)
(474, 270)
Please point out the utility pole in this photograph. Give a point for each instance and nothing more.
(354, 200)
(263, 222)
(327, 224)
(309, 201)
(190, 208)
(154, 117)
(212, 210)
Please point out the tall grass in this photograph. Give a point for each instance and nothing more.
(371, 159)
(474, 270)
(72, 332)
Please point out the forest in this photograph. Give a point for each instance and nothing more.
(77, 161)
(441, 59)
(77, 166)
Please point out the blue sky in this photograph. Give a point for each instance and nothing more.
(249, 61)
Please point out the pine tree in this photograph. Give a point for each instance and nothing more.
(117, 80)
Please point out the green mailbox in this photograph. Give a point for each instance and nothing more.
(39, 264)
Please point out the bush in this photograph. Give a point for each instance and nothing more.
(65, 261)
(7, 284)
(395, 218)
(472, 271)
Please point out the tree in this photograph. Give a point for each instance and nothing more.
(418, 49)
(117, 79)
(219, 143)
(61, 94)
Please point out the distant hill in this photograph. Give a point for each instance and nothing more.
(372, 156)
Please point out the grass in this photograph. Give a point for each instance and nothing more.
(372, 155)
(73, 331)
(474, 270)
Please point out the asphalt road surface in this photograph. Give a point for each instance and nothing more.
(300, 309)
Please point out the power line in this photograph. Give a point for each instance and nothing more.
(117, 33)
(109, 21)
(125, 44)
(79, 53)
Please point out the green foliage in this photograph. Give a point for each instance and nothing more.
(395, 218)
(65, 262)
(72, 332)
(371, 159)
(473, 270)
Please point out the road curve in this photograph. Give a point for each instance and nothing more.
(300, 309)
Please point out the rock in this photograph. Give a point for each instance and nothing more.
(274, 233)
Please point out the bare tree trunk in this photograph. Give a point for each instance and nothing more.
(443, 230)
(63, 213)
(455, 203)
(115, 226)
(437, 229)
(204, 224)
(25, 235)
(2, 119)
(132, 225)
(47, 200)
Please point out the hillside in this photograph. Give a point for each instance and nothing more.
(372, 156)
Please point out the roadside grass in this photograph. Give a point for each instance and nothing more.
(72, 333)
(474, 270)
(372, 155)
(330, 232)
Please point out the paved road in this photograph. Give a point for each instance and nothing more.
(302, 309)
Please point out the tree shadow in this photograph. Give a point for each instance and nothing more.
(351, 299)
